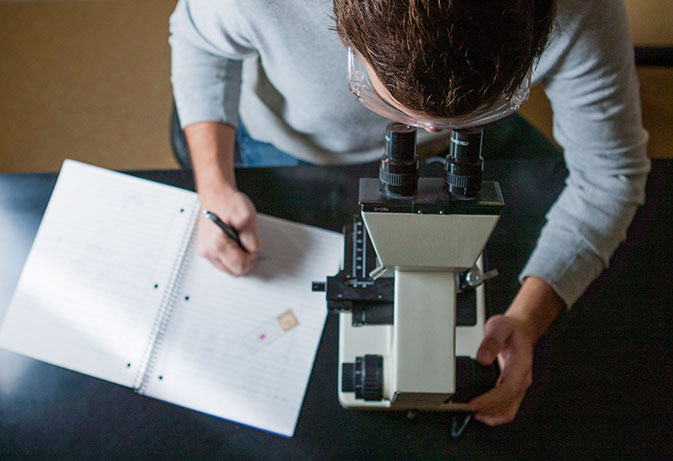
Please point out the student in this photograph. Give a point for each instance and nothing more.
(281, 68)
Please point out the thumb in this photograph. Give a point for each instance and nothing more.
(496, 333)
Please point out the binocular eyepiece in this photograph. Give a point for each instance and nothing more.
(398, 172)
(464, 164)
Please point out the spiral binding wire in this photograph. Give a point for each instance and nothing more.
(165, 308)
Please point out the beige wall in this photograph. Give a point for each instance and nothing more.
(86, 80)
(651, 25)
(89, 79)
(651, 22)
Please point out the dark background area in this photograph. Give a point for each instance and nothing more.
(602, 378)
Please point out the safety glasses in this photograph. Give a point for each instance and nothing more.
(361, 86)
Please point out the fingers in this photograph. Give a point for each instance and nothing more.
(506, 414)
(243, 218)
(496, 333)
(501, 404)
(227, 256)
(234, 260)
(222, 251)
(217, 263)
(503, 338)
(250, 238)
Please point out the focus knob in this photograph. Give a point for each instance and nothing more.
(364, 377)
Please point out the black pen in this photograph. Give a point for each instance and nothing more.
(230, 231)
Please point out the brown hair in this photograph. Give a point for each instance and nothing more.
(447, 57)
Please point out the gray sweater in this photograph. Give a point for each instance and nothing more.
(278, 65)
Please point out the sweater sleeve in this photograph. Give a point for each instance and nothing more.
(594, 92)
(207, 47)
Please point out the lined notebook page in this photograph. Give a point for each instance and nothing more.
(86, 299)
(243, 348)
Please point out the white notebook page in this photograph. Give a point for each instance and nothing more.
(224, 351)
(86, 299)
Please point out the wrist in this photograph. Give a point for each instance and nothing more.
(535, 307)
(213, 178)
(214, 190)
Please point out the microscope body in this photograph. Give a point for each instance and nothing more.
(409, 296)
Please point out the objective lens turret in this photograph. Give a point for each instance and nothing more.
(398, 171)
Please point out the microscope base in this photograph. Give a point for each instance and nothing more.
(358, 341)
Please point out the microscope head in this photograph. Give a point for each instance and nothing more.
(439, 224)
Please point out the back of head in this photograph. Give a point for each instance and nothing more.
(447, 57)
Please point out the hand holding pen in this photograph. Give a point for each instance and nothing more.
(227, 229)
(227, 234)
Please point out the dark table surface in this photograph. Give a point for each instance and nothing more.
(603, 375)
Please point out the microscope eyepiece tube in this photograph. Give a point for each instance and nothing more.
(464, 164)
(400, 142)
(398, 172)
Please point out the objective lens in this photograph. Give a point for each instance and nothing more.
(464, 164)
(398, 171)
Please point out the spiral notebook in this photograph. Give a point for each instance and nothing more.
(113, 288)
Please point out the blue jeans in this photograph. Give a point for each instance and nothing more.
(253, 153)
(248, 152)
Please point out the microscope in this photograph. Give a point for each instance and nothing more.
(409, 294)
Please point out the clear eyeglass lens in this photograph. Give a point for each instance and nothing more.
(361, 87)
